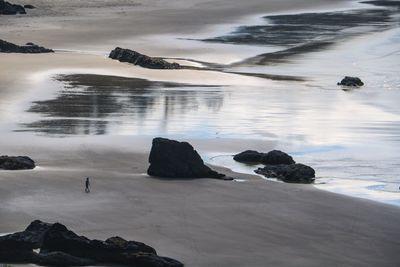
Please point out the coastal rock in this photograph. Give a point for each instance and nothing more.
(292, 173)
(351, 81)
(29, 7)
(7, 8)
(173, 159)
(61, 247)
(271, 158)
(133, 57)
(30, 48)
(16, 163)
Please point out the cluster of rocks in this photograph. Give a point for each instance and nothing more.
(16, 163)
(278, 165)
(133, 57)
(173, 159)
(55, 245)
(6, 8)
(351, 82)
(29, 48)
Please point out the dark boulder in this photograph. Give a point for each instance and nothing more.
(273, 157)
(30, 48)
(173, 159)
(16, 163)
(293, 173)
(29, 7)
(133, 57)
(7, 8)
(351, 81)
(61, 247)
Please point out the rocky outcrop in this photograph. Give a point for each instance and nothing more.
(7, 8)
(292, 173)
(61, 247)
(173, 159)
(29, 48)
(351, 81)
(272, 157)
(133, 57)
(16, 163)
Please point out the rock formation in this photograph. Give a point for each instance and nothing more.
(272, 157)
(16, 163)
(351, 81)
(29, 48)
(133, 57)
(292, 173)
(7, 8)
(61, 247)
(173, 159)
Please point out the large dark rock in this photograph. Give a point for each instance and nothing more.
(61, 247)
(16, 163)
(173, 159)
(7, 47)
(133, 57)
(292, 173)
(351, 81)
(7, 8)
(273, 157)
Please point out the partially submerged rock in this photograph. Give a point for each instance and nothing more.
(6, 8)
(173, 159)
(292, 173)
(29, 48)
(29, 7)
(136, 58)
(61, 247)
(272, 157)
(16, 163)
(351, 81)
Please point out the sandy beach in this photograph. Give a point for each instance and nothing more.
(203, 222)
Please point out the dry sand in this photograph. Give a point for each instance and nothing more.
(200, 222)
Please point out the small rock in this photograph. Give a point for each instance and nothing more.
(351, 81)
(29, 7)
(293, 173)
(273, 157)
(16, 163)
(30, 48)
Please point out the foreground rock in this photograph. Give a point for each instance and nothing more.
(7, 8)
(272, 157)
(29, 48)
(62, 247)
(16, 163)
(173, 159)
(351, 81)
(292, 173)
(133, 57)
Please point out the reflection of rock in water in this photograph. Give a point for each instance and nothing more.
(88, 104)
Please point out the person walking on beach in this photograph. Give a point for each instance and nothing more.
(87, 185)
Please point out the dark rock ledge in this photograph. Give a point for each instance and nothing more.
(16, 163)
(59, 246)
(173, 159)
(6, 8)
(278, 165)
(136, 58)
(29, 48)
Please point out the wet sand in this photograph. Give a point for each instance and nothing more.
(200, 222)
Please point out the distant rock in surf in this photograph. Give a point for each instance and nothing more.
(272, 157)
(173, 159)
(16, 163)
(29, 48)
(351, 81)
(6, 8)
(133, 57)
(61, 247)
(29, 7)
(292, 173)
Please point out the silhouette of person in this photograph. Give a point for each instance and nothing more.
(87, 185)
